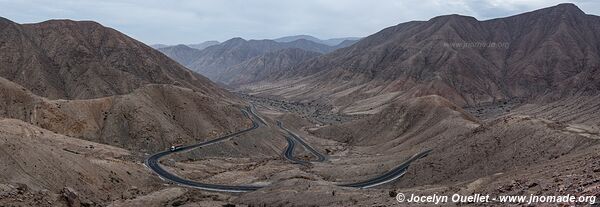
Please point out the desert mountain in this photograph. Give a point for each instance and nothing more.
(77, 60)
(83, 106)
(113, 89)
(330, 42)
(308, 46)
(550, 52)
(70, 89)
(263, 66)
(214, 60)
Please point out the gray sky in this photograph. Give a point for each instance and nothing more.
(194, 21)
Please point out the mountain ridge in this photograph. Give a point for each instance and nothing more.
(462, 59)
(83, 59)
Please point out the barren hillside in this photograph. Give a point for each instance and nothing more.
(549, 53)
(78, 60)
(263, 66)
(39, 166)
(150, 118)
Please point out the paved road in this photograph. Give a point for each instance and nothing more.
(390, 175)
(252, 110)
(289, 152)
(320, 157)
(153, 161)
(379, 180)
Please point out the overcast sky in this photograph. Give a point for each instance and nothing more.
(194, 21)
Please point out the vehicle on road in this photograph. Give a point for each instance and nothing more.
(174, 147)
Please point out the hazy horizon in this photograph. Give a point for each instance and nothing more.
(191, 22)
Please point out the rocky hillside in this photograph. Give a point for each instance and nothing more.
(78, 60)
(42, 168)
(111, 89)
(263, 66)
(149, 119)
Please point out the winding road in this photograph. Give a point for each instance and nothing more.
(295, 138)
(289, 152)
(390, 175)
(153, 163)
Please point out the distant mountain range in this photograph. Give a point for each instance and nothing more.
(214, 60)
(330, 42)
(199, 46)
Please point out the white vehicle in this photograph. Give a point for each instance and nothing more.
(174, 147)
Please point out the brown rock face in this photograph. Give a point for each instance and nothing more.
(548, 52)
(77, 60)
